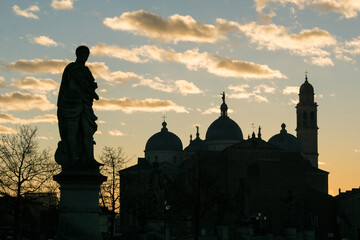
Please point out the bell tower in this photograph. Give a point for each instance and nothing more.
(307, 129)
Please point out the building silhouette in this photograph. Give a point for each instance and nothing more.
(227, 187)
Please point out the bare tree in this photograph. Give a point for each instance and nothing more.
(114, 160)
(24, 168)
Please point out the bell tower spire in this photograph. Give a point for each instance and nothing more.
(307, 129)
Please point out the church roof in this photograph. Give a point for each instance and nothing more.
(224, 128)
(286, 141)
(164, 141)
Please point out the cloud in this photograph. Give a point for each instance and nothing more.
(241, 92)
(24, 102)
(56, 66)
(194, 60)
(8, 118)
(35, 66)
(101, 70)
(28, 12)
(293, 101)
(182, 86)
(62, 4)
(116, 133)
(35, 84)
(321, 61)
(116, 52)
(348, 8)
(215, 110)
(308, 42)
(129, 105)
(288, 90)
(6, 130)
(175, 28)
(44, 40)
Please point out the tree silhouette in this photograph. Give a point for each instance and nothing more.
(24, 168)
(114, 160)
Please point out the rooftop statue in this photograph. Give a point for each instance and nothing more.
(76, 117)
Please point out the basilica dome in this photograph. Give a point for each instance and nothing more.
(164, 141)
(224, 128)
(286, 141)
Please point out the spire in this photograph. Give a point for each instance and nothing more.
(223, 107)
(259, 133)
(197, 132)
(283, 130)
(190, 138)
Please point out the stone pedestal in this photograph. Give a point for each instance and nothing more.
(79, 205)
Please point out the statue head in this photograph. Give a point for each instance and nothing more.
(82, 53)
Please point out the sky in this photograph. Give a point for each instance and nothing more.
(173, 58)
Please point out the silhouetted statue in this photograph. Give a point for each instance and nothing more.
(76, 117)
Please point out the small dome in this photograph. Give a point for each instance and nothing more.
(306, 88)
(286, 141)
(197, 144)
(164, 141)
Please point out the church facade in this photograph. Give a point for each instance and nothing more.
(227, 187)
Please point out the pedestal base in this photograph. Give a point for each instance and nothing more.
(79, 205)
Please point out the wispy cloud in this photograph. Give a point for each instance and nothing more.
(321, 61)
(62, 4)
(348, 8)
(175, 28)
(44, 40)
(308, 42)
(56, 66)
(214, 110)
(116, 133)
(195, 60)
(129, 105)
(182, 86)
(33, 84)
(28, 12)
(288, 90)
(7, 130)
(241, 92)
(101, 70)
(24, 102)
(8, 118)
(35, 66)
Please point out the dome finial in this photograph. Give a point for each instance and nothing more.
(190, 137)
(164, 124)
(306, 76)
(283, 130)
(197, 132)
(223, 107)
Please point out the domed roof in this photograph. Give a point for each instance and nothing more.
(164, 141)
(197, 144)
(224, 128)
(306, 88)
(286, 141)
